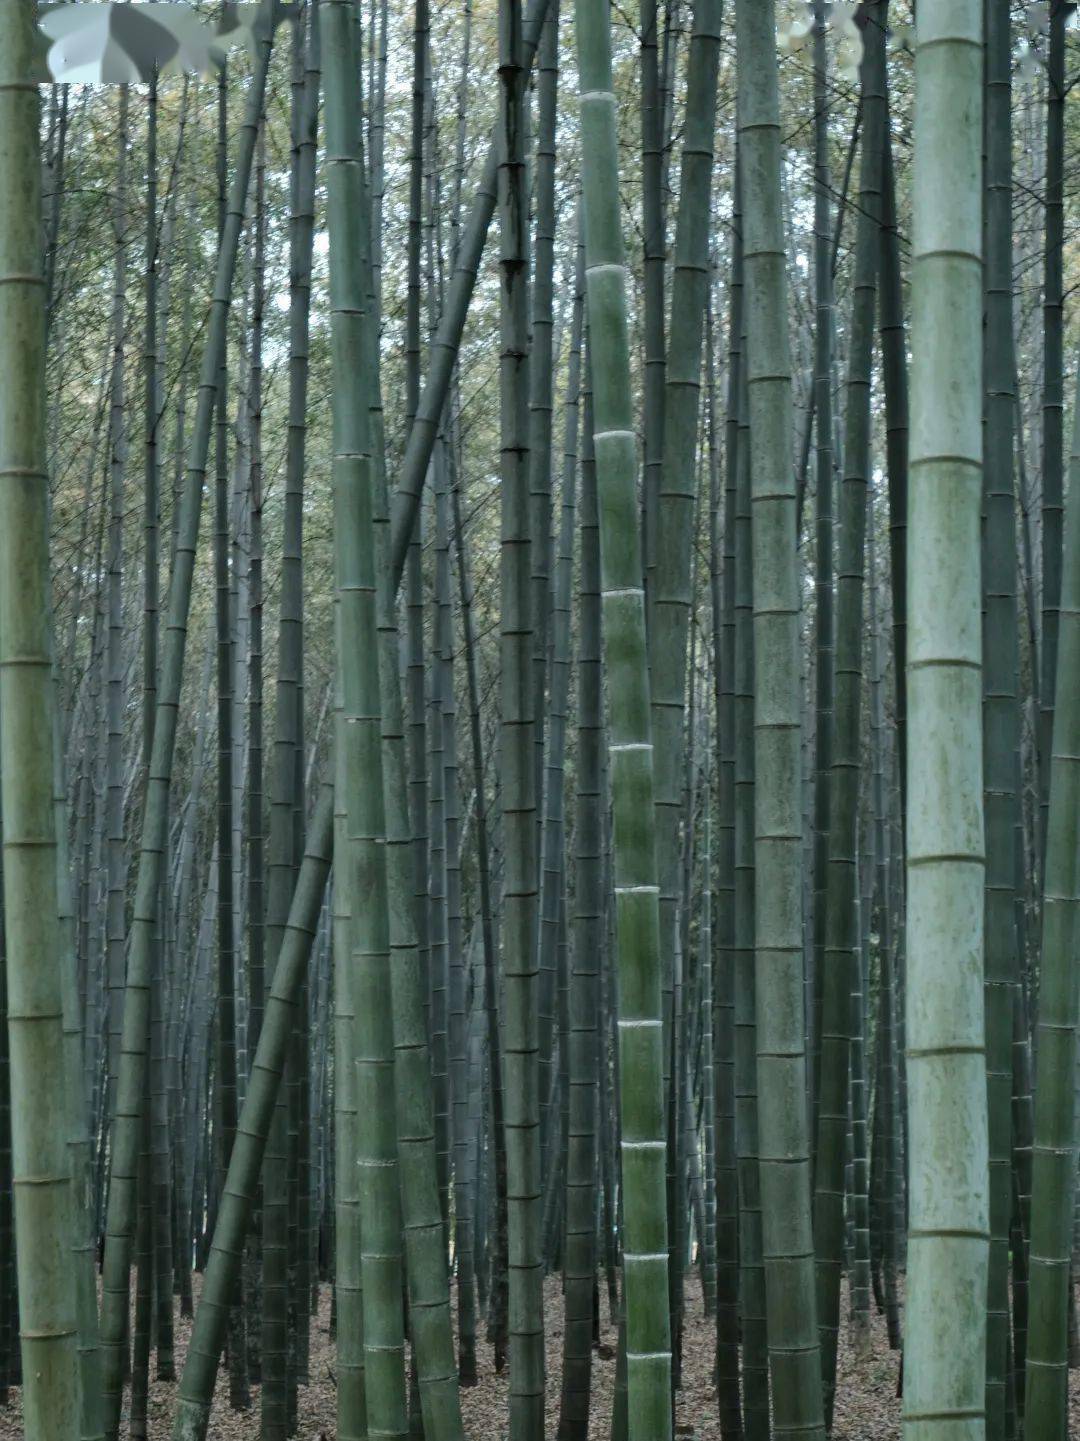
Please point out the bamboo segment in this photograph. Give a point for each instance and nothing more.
(41, 1184)
(1054, 1171)
(641, 1094)
(945, 1342)
(784, 1161)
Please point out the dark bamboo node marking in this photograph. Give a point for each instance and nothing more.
(28, 472)
(962, 858)
(943, 663)
(915, 1052)
(947, 1233)
(959, 1415)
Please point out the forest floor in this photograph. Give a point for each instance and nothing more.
(867, 1407)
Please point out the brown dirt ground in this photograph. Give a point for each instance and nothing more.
(867, 1407)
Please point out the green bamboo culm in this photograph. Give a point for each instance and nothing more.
(641, 1093)
(405, 506)
(348, 1284)
(120, 1216)
(783, 1132)
(285, 838)
(362, 869)
(751, 1279)
(670, 578)
(948, 1227)
(429, 1302)
(430, 1331)
(1053, 396)
(586, 952)
(1054, 1160)
(83, 1240)
(841, 924)
(824, 443)
(43, 1201)
(524, 1184)
(1001, 710)
(237, 1200)
(729, 1232)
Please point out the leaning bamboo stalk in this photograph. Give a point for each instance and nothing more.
(444, 347)
(1053, 399)
(253, 1127)
(120, 1220)
(1001, 710)
(1053, 1168)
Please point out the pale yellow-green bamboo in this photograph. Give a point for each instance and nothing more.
(948, 1227)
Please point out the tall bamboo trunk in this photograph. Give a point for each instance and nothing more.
(824, 325)
(784, 1164)
(751, 1263)
(115, 918)
(1054, 1170)
(1053, 399)
(286, 810)
(669, 561)
(945, 1338)
(587, 949)
(225, 1099)
(518, 762)
(640, 1024)
(723, 930)
(40, 1168)
(842, 941)
(1001, 713)
(541, 418)
(487, 998)
(253, 819)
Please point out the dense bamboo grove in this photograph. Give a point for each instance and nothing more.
(539, 719)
